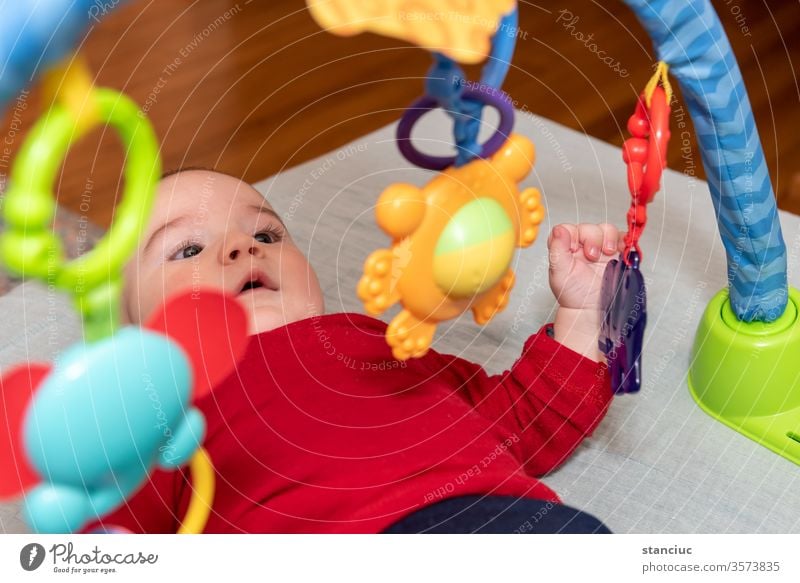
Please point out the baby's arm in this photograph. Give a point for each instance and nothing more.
(558, 390)
(543, 406)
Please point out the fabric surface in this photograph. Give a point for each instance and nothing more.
(322, 430)
(656, 463)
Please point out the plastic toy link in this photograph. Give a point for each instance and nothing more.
(623, 294)
(454, 239)
(83, 435)
(453, 242)
(645, 154)
(30, 248)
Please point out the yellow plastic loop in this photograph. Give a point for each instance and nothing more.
(202, 494)
(70, 83)
(661, 75)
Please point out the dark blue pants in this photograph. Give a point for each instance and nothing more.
(498, 515)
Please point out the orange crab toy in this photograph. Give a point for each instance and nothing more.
(452, 245)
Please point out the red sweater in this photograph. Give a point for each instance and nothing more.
(321, 430)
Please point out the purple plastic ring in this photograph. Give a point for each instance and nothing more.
(486, 95)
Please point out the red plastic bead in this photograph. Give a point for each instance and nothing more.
(646, 157)
(638, 126)
(634, 150)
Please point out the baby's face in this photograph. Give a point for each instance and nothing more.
(209, 230)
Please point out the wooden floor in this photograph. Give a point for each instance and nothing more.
(253, 87)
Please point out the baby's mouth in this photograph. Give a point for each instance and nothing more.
(256, 281)
(251, 285)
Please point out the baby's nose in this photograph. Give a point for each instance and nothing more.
(242, 247)
(234, 253)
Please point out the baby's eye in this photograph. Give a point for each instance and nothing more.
(186, 250)
(267, 236)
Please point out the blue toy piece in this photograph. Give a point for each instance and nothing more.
(103, 418)
(689, 37)
(447, 87)
(35, 35)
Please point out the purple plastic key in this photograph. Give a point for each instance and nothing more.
(625, 314)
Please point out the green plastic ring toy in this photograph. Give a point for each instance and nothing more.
(30, 249)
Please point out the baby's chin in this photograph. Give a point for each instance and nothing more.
(266, 318)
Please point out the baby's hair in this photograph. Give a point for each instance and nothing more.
(181, 169)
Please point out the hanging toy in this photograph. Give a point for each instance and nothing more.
(462, 30)
(452, 245)
(624, 296)
(454, 239)
(80, 437)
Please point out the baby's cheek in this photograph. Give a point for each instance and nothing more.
(297, 276)
(179, 277)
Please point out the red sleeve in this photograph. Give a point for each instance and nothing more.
(151, 510)
(546, 403)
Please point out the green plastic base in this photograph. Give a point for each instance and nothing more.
(748, 375)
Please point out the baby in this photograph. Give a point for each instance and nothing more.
(337, 436)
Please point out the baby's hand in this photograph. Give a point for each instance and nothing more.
(578, 258)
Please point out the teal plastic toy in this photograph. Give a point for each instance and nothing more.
(139, 421)
(80, 437)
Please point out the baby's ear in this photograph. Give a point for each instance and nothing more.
(128, 283)
(124, 312)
